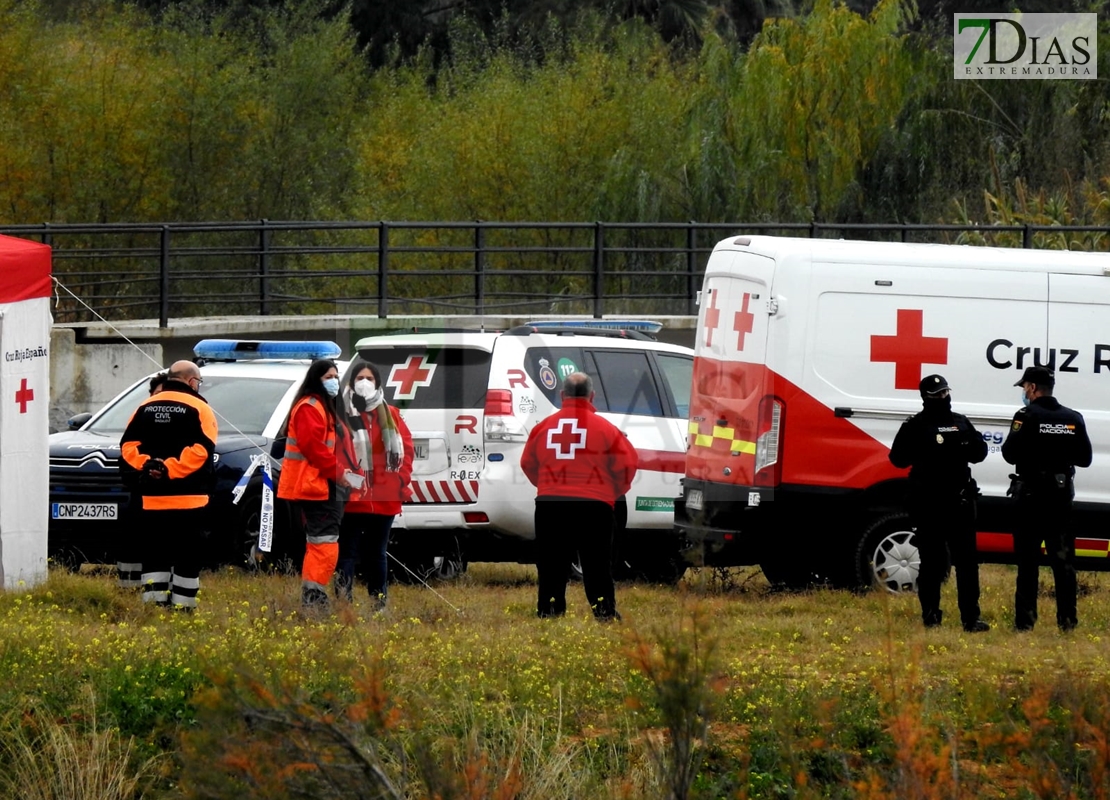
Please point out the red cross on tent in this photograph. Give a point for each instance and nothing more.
(405, 379)
(24, 396)
(909, 349)
(568, 433)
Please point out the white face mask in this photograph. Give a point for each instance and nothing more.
(364, 388)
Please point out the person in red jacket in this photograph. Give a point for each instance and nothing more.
(580, 464)
(317, 472)
(384, 452)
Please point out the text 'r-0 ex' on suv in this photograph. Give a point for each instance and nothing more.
(470, 399)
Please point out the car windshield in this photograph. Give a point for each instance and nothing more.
(242, 403)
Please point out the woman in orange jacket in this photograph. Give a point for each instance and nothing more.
(317, 473)
(384, 452)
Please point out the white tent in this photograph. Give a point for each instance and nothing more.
(24, 411)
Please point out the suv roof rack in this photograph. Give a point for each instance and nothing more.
(422, 329)
(643, 325)
(577, 330)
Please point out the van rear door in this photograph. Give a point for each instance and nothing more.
(732, 426)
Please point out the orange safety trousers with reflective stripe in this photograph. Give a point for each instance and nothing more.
(319, 564)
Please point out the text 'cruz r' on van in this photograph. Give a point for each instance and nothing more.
(807, 360)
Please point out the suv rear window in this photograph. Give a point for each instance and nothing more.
(421, 377)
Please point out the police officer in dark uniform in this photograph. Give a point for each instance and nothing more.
(938, 444)
(1047, 441)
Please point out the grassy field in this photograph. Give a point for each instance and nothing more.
(716, 688)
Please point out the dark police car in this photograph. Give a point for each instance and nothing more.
(250, 386)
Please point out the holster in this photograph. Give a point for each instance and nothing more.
(969, 496)
(1045, 484)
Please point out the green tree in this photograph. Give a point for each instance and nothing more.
(818, 94)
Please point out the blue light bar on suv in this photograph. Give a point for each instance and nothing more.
(642, 325)
(240, 350)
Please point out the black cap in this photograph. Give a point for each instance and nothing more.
(1041, 376)
(932, 385)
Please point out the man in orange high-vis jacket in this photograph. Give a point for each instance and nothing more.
(316, 476)
(580, 464)
(166, 451)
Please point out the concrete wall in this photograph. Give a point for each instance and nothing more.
(83, 377)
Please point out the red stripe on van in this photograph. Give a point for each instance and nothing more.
(662, 461)
(417, 493)
(1096, 545)
(991, 542)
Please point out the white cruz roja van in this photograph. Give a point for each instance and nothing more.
(808, 358)
(470, 399)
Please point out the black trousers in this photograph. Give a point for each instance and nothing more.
(363, 553)
(946, 531)
(1045, 517)
(172, 546)
(565, 527)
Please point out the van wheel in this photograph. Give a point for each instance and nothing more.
(887, 555)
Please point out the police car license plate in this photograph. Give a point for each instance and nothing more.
(420, 450)
(694, 499)
(91, 511)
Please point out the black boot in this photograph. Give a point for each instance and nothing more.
(313, 598)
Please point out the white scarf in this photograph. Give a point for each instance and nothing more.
(360, 433)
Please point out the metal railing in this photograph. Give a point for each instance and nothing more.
(149, 270)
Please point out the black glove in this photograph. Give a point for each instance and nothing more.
(154, 470)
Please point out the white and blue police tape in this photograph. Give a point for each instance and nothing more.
(266, 521)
